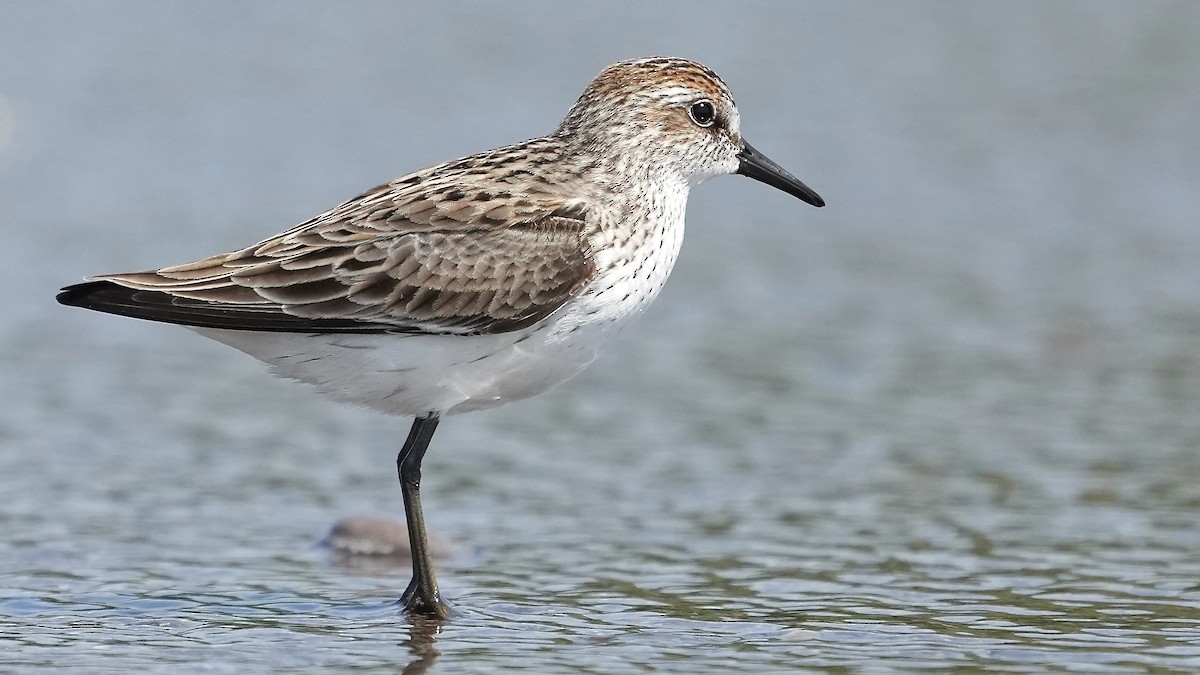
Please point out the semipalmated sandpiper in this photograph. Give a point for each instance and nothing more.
(476, 282)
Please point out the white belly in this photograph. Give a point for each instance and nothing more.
(418, 374)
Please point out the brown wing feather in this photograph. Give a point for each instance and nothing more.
(431, 252)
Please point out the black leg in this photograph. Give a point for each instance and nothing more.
(421, 596)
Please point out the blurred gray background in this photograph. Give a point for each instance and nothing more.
(951, 417)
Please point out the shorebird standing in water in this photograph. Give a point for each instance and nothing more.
(476, 282)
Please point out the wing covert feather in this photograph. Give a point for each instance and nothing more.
(464, 280)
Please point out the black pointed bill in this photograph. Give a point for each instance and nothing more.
(756, 165)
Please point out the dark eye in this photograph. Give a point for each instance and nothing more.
(703, 113)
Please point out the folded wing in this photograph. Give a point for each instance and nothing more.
(406, 257)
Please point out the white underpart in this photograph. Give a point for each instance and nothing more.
(419, 374)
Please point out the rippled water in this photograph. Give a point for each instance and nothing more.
(947, 423)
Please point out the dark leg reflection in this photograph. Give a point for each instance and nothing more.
(422, 635)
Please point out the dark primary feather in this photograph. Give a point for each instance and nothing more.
(106, 296)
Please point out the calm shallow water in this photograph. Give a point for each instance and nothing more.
(947, 423)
